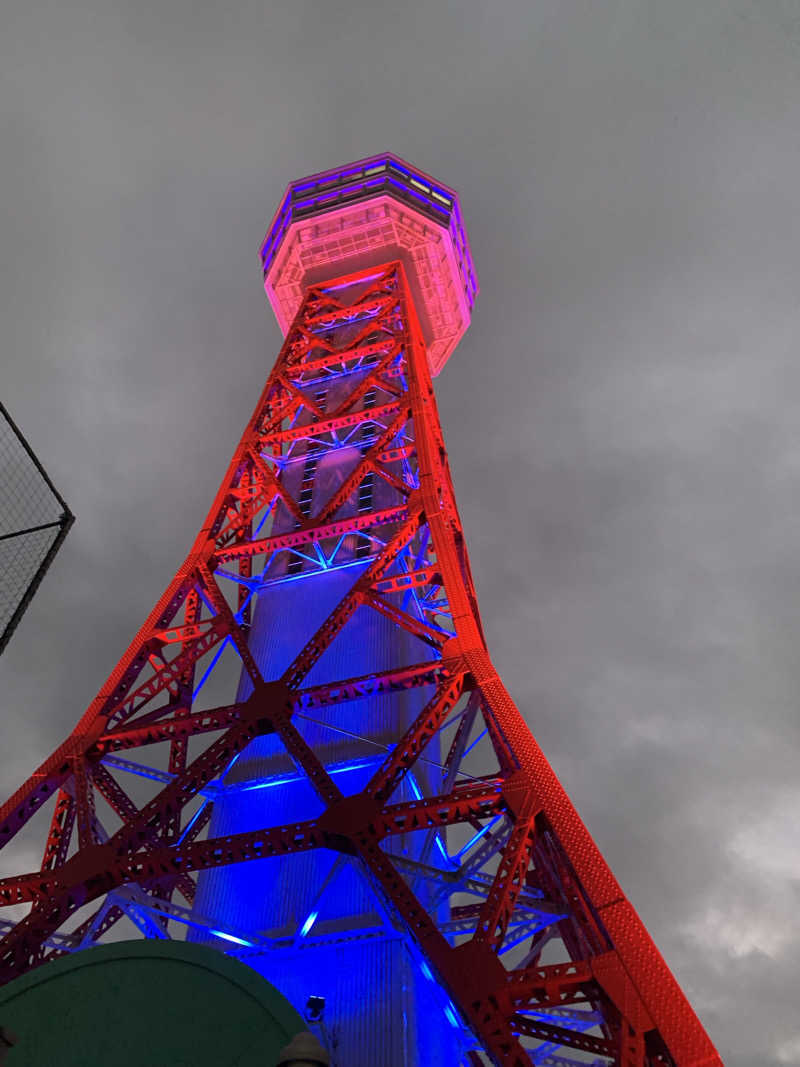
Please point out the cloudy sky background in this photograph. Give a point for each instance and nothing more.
(621, 417)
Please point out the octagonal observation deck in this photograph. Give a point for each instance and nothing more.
(362, 215)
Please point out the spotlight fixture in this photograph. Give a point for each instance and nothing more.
(315, 1009)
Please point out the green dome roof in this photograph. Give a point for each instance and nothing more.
(160, 1003)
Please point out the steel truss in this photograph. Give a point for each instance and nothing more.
(509, 903)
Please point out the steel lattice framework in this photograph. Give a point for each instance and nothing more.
(528, 884)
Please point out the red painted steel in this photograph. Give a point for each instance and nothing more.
(537, 870)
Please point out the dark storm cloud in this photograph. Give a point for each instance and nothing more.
(621, 417)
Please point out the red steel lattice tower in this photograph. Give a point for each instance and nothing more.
(370, 733)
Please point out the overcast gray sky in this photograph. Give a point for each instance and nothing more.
(621, 416)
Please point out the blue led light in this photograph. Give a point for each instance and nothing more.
(230, 937)
(396, 166)
(312, 918)
(295, 417)
(479, 834)
(413, 192)
(229, 767)
(443, 851)
(480, 736)
(240, 613)
(193, 820)
(210, 667)
(211, 609)
(298, 187)
(339, 544)
(453, 718)
(285, 578)
(268, 783)
(416, 791)
(267, 514)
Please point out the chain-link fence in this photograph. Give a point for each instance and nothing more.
(34, 520)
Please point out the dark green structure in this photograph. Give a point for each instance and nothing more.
(154, 1003)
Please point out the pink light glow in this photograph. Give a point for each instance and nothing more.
(360, 220)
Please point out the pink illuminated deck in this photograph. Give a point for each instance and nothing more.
(367, 214)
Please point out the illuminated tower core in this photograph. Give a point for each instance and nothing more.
(344, 234)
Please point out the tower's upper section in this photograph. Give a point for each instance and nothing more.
(364, 214)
